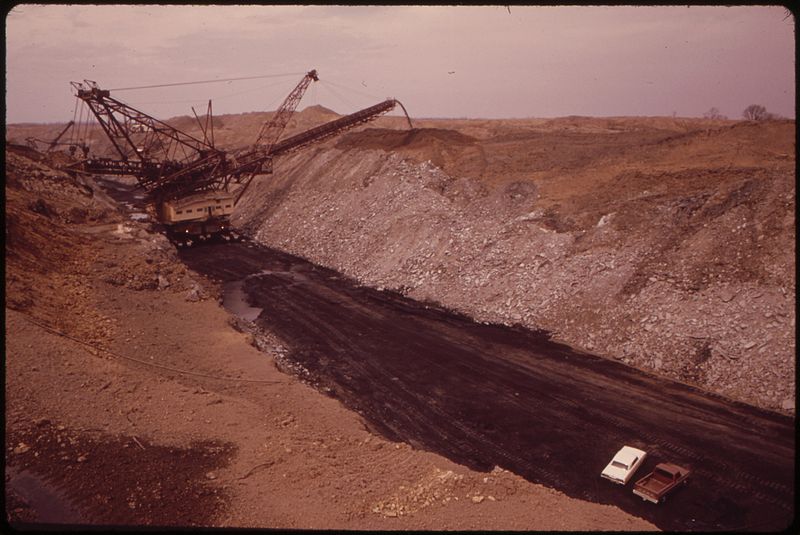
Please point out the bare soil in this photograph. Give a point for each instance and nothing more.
(665, 244)
(131, 399)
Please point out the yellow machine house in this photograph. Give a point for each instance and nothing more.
(199, 215)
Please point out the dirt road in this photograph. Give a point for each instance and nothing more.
(485, 395)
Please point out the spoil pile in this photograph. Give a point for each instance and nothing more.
(669, 247)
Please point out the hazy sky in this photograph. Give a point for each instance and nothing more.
(460, 61)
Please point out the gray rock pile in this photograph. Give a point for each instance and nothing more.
(657, 296)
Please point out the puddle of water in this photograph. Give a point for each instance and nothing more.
(139, 216)
(291, 274)
(234, 300)
(50, 505)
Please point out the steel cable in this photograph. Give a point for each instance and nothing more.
(201, 100)
(273, 84)
(349, 105)
(206, 81)
(82, 131)
(363, 94)
(72, 133)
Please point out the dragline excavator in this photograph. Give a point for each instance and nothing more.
(194, 185)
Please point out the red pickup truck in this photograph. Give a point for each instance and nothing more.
(655, 486)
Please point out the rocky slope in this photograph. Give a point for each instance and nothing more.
(667, 245)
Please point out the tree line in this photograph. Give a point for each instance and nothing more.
(754, 112)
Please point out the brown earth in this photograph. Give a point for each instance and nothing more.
(665, 243)
(131, 399)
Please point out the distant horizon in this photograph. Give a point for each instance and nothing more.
(694, 118)
(483, 62)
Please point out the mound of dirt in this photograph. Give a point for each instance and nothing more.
(318, 109)
(385, 139)
(455, 152)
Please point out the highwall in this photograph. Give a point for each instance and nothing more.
(655, 283)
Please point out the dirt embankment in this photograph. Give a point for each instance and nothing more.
(668, 245)
(132, 400)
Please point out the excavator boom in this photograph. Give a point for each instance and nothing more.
(313, 135)
(118, 120)
(51, 145)
(60, 135)
(272, 130)
(337, 126)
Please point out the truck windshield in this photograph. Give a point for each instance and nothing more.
(619, 465)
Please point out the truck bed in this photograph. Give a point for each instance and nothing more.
(653, 484)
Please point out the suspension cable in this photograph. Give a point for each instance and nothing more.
(207, 81)
(194, 101)
(86, 122)
(72, 133)
(77, 126)
(349, 105)
(273, 84)
(220, 97)
(363, 94)
(81, 129)
(272, 106)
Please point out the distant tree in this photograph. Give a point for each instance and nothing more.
(756, 112)
(714, 113)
